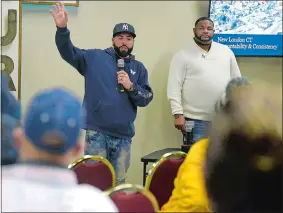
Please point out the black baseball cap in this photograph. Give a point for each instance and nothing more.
(124, 28)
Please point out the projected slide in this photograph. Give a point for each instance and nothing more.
(249, 28)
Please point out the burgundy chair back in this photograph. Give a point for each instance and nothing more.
(99, 174)
(141, 200)
(132, 202)
(161, 180)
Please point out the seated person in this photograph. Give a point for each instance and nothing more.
(244, 157)
(189, 194)
(47, 143)
(10, 119)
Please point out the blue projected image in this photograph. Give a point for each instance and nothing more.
(249, 28)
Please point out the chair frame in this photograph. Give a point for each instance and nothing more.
(159, 162)
(96, 158)
(139, 188)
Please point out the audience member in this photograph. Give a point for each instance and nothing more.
(47, 142)
(189, 194)
(245, 154)
(10, 119)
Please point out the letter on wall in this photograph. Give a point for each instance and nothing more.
(12, 28)
(11, 44)
(8, 68)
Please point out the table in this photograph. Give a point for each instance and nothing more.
(153, 157)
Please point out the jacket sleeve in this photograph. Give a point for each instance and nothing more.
(189, 194)
(142, 94)
(71, 54)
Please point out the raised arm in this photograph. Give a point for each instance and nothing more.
(71, 54)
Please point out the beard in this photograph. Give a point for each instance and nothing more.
(122, 54)
(201, 41)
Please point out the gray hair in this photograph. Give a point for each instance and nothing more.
(231, 86)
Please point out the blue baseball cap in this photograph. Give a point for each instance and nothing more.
(53, 121)
(10, 119)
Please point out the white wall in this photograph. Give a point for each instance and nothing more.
(162, 28)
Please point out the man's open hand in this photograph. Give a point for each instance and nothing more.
(60, 15)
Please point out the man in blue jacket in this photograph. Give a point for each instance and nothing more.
(110, 113)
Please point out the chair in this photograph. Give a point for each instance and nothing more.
(133, 198)
(100, 174)
(160, 180)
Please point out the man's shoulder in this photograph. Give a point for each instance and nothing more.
(91, 198)
(222, 47)
(183, 54)
(138, 62)
(189, 50)
(139, 65)
(88, 189)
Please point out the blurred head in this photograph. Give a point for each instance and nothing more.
(204, 31)
(234, 84)
(245, 153)
(123, 39)
(10, 119)
(51, 128)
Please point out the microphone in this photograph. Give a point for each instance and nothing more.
(189, 132)
(120, 65)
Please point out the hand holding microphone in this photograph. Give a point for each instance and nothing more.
(123, 77)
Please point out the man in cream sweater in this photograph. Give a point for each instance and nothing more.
(198, 77)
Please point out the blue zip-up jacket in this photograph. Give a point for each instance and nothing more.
(108, 110)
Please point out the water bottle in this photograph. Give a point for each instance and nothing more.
(189, 132)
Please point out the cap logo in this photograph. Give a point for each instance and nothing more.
(125, 27)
